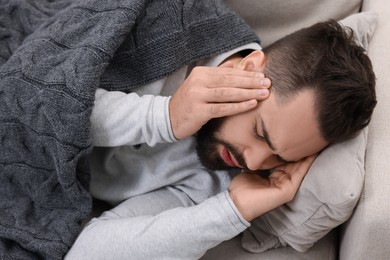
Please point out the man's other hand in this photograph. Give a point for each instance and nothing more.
(254, 195)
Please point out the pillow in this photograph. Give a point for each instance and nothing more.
(329, 192)
(363, 26)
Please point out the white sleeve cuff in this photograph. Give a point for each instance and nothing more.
(166, 128)
(232, 212)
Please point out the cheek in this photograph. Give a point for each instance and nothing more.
(306, 147)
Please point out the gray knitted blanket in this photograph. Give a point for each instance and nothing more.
(53, 56)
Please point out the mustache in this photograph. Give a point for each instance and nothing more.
(207, 143)
(236, 154)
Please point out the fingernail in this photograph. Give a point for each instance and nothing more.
(264, 82)
(263, 92)
(251, 102)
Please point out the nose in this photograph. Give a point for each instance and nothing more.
(260, 157)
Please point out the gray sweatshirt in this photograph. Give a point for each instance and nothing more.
(169, 205)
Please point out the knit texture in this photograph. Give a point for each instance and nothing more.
(53, 56)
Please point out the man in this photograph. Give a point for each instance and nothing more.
(168, 204)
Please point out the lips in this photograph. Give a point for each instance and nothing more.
(228, 158)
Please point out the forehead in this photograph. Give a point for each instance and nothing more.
(292, 126)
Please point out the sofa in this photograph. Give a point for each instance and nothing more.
(365, 233)
(42, 146)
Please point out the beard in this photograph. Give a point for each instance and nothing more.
(207, 147)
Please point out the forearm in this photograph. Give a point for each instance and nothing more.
(179, 233)
(129, 119)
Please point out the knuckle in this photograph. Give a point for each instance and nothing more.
(226, 78)
(259, 75)
(217, 93)
(196, 79)
(198, 70)
(223, 81)
(215, 109)
(193, 78)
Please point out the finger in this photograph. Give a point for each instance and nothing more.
(217, 95)
(230, 81)
(302, 169)
(228, 109)
(224, 71)
(229, 77)
(310, 159)
(277, 177)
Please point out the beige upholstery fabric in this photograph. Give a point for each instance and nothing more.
(325, 249)
(273, 19)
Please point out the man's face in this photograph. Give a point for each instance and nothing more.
(264, 137)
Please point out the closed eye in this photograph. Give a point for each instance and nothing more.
(259, 137)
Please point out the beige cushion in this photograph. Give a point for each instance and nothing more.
(363, 26)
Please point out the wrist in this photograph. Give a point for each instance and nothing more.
(241, 205)
(169, 120)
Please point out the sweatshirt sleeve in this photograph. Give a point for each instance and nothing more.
(128, 119)
(176, 233)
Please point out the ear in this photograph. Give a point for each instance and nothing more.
(255, 61)
(231, 62)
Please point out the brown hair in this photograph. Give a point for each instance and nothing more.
(326, 59)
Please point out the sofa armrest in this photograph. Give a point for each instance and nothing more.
(366, 234)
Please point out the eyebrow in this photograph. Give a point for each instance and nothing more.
(266, 136)
(269, 143)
